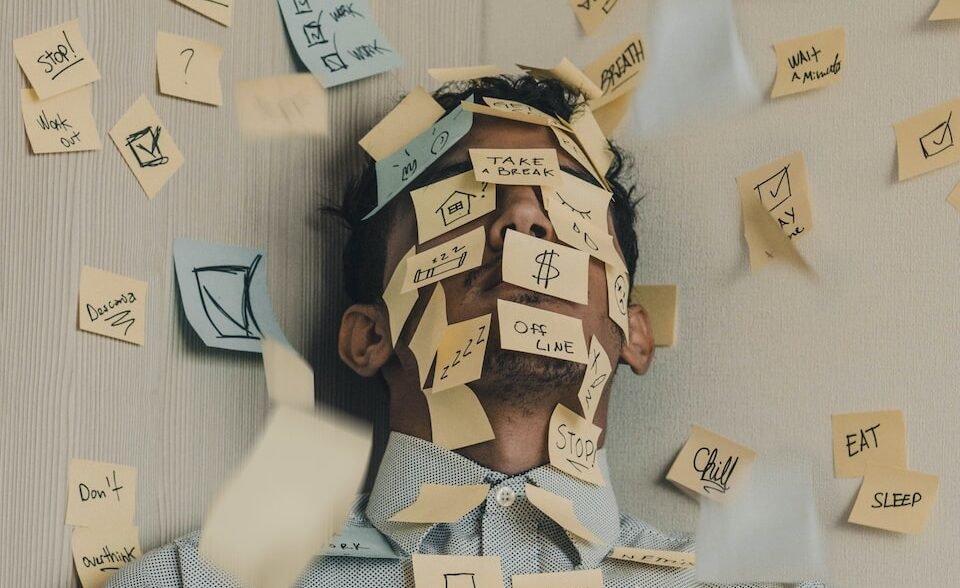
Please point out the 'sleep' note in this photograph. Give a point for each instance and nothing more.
(712, 465)
(460, 353)
(189, 68)
(60, 124)
(456, 255)
(895, 499)
(56, 59)
(112, 305)
(541, 332)
(100, 494)
(810, 62)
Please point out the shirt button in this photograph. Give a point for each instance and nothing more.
(506, 496)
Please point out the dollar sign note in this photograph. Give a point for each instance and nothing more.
(546, 272)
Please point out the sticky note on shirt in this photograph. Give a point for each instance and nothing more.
(895, 499)
(453, 256)
(451, 203)
(591, 13)
(100, 494)
(56, 59)
(526, 167)
(560, 510)
(541, 332)
(660, 302)
(189, 68)
(426, 338)
(573, 444)
(220, 11)
(292, 104)
(339, 42)
(655, 557)
(457, 418)
(460, 353)
(417, 112)
(456, 571)
(860, 438)
(925, 142)
(808, 63)
(946, 10)
(60, 124)
(577, 578)
(99, 552)
(440, 503)
(112, 305)
(146, 145)
(712, 465)
(545, 266)
(594, 379)
(399, 304)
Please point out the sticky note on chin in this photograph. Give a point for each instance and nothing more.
(573, 443)
(895, 499)
(712, 465)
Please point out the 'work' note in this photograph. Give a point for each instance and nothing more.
(712, 465)
(895, 499)
(60, 124)
(860, 438)
(292, 104)
(56, 59)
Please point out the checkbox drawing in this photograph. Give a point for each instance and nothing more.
(939, 139)
(301, 6)
(775, 190)
(145, 146)
(313, 31)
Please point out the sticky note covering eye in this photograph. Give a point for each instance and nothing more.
(895, 499)
(189, 68)
(60, 124)
(456, 571)
(541, 332)
(220, 11)
(573, 443)
(454, 256)
(592, 13)
(99, 552)
(546, 267)
(527, 167)
(582, 199)
(100, 494)
(56, 59)
(594, 379)
(457, 418)
(925, 142)
(416, 113)
(460, 353)
(578, 578)
(561, 510)
(293, 104)
(810, 62)
(451, 203)
(145, 144)
(112, 305)
(712, 465)
(339, 42)
(660, 302)
(860, 438)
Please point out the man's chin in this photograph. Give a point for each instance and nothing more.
(525, 380)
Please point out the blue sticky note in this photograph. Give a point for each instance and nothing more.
(366, 542)
(224, 294)
(338, 41)
(396, 171)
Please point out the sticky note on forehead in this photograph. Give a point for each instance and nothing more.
(808, 63)
(100, 494)
(860, 438)
(451, 203)
(56, 59)
(573, 444)
(525, 167)
(454, 256)
(416, 113)
(712, 465)
(541, 332)
(895, 499)
(546, 267)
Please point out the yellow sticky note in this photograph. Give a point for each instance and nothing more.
(925, 142)
(218, 10)
(439, 503)
(618, 296)
(954, 198)
(560, 509)
(860, 438)
(456, 571)
(541, 332)
(293, 104)
(471, 72)
(712, 465)
(570, 145)
(655, 557)
(289, 376)
(451, 203)
(619, 71)
(575, 579)
(782, 189)
(526, 167)
(946, 10)
(609, 114)
(594, 379)
(60, 124)
(594, 142)
(582, 199)
(426, 338)
(808, 63)
(98, 552)
(895, 499)
(56, 59)
(573, 443)
(460, 353)
(100, 494)
(399, 304)
(660, 302)
(415, 114)
(145, 144)
(524, 116)
(570, 75)
(591, 13)
(112, 305)
(453, 256)
(574, 230)
(765, 238)
(457, 418)
(189, 68)
(546, 267)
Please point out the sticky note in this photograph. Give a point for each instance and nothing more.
(619, 71)
(293, 104)
(946, 10)
(954, 198)
(439, 503)
(456, 571)
(654, 557)
(609, 114)
(460, 353)
(395, 172)
(591, 13)
(60, 124)
(925, 142)
(618, 293)
(810, 62)
(100, 494)
(782, 189)
(895, 499)
(399, 304)
(577, 578)
(339, 42)
(112, 305)
(189, 68)
(470, 72)
(416, 113)
(560, 510)
(426, 338)
(569, 74)
(574, 230)
(860, 438)
(56, 59)
(570, 145)
(445, 205)
(573, 443)
(145, 144)
(289, 376)
(364, 542)
(582, 199)
(453, 256)
(457, 418)
(765, 238)
(288, 498)
(541, 332)
(220, 11)
(594, 379)
(98, 552)
(223, 290)
(712, 465)
(660, 302)
(526, 167)
(512, 110)
(545, 266)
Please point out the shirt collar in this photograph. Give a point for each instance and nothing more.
(408, 462)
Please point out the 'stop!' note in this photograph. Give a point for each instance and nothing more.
(56, 59)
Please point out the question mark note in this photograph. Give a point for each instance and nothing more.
(189, 59)
(189, 68)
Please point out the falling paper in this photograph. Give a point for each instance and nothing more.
(292, 104)
(289, 376)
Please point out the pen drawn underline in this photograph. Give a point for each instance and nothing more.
(71, 65)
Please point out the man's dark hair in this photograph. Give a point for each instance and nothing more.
(364, 255)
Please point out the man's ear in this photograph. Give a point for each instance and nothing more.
(364, 342)
(637, 351)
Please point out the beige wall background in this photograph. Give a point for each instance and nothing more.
(764, 358)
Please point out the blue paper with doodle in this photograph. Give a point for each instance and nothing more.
(224, 294)
(400, 168)
(338, 41)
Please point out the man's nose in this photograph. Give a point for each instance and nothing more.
(519, 208)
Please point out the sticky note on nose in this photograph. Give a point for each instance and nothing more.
(526, 167)
(545, 266)
(895, 499)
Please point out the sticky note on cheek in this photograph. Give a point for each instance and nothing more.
(594, 379)
(100, 494)
(99, 552)
(573, 443)
(860, 438)
(541, 332)
(527, 167)
(60, 124)
(56, 59)
(895, 499)
(112, 305)
(460, 353)
(712, 465)
(451, 203)
(456, 255)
